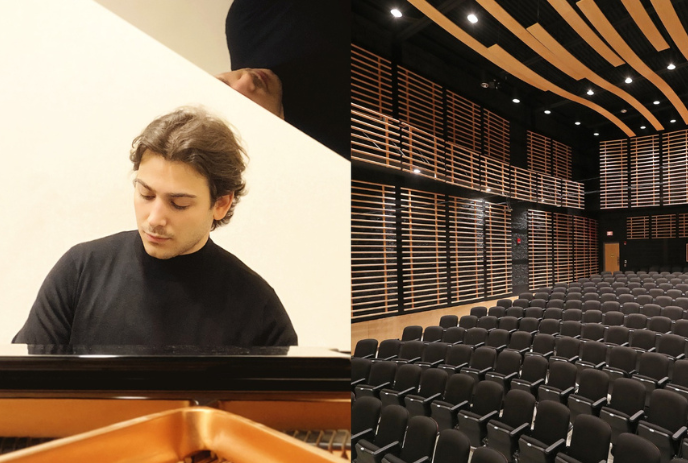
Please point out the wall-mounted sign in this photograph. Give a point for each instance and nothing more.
(610, 233)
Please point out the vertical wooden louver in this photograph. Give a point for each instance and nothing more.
(524, 184)
(497, 249)
(420, 102)
(423, 238)
(423, 152)
(375, 138)
(613, 172)
(664, 226)
(638, 228)
(645, 171)
(572, 195)
(371, 81)
(466, 244)
(675, 167)
(580, 248)
(539, 153)
(550, 190)
(373, 249)
(463, 122)
(561, 160)
(540, 248)
(562, 227)
(463, 167)
(496, 179)
(593, 249)
(496, 136)
(683, 225)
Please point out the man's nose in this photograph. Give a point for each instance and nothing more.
(244, 84)
(158, 214)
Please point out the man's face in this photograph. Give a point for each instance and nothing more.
(173, 209)
(261, 86)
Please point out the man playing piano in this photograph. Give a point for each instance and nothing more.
(166, 283)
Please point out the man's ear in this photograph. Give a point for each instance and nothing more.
(222, 205)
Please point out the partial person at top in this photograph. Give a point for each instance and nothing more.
(305, 45)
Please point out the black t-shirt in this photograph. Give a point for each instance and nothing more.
(110, 291)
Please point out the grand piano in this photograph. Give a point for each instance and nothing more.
(175, 403)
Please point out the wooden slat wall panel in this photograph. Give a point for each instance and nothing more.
(593, 247)
(373, 249)
(498, 249)
(683, 225)
(613, 174)
(638, 228)
(375, 138)
(371, 80)
(466, 246)
(463, 122)
(524, 184)
(572, 195)
(550, 190)
(540, 249)
(645, 171)
(496, 136)
(420, 102)
(580, 248)
(539, 153)
(463, 167)
(664, 226)
(496, 180)
(561, 160)
(675, 167)
(423, 152)
(562, 226)
(424, 249)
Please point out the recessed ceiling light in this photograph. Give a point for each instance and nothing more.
(516, 100)
(590, 92)
(655, 102)
(672, 121)
(547, 111)
(671, 66)
(577, 122)
(416, 171)
(628, 80)
(597, 134)
(642, 127)
(472, 18)
(396, 13)
(623, 111)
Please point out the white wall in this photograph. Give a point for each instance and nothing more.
(78, 84)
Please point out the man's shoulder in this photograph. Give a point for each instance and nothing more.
(107, 245)
(240, 272)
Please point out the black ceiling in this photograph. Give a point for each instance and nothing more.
(416, 31)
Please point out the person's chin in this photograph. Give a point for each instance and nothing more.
(156, 251)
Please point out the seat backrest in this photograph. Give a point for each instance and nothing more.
(433, 333)
(468, 321)
(671, 344)
(631, 448)
(543, 343)
(630, 307)
(644, 299)
(459, 387)
(664, 301)
(562, 375)
(458, 355)
(624, 298)
(591, 305)
(549, 326)
(567, 347)
(496, 311)
(407, 376)
(623, 357)
(498, 337)
(514, 311)
(389, 348)
(653, 365)
(667, 409)
(411, 349)
(594, 352)
(573, 304)
(628, 396)
(392, 427)
(506, 303)
(659, 324)
(382, 372)
(553, 312)
(529, 324)
(538, 303)
(593, 331)
(420, 439)
(672, 312)
(570, 328)
(651, 310)
(555, 304)
(593, 384)
(360, 368)
(365, 413)
(488, 322)
(534, 368)
(453, 446)
(365, 347)
(483, 357)
(435, 351)
(432, 381)
(592, 316)
(478, 311)
(523, 303)
(487, 455)
(636, 321)
(590, 439)
(508, 361)
(520, 340)
(448, 321)
(613, 319)
(412, 333)
(508, 322)
(643, 339)
(474, 336)
(610, 306)
(681, 328)
(487, 397)
(518, 408)
(533, 312)
(551, 421)
(454, 334)
(572, 315)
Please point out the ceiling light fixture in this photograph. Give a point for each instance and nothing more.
(472, 18)
(624, 111)
(672, 121)
(642, 127)
(547, 111)
(655, 102)
(671, 66)
(590, 92)
(516, 100)
(628, 80)
(416, 171)
(577, 122)
(396, 13)
(597, 134)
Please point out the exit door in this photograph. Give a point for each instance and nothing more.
(611, 257)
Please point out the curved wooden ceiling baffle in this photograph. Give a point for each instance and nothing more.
(645, 24)
(504, 60)
(547, 40)
(605, 28)
(567, 12)
(537, 38)
(673, 25)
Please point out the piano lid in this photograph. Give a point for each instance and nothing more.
(130, 369)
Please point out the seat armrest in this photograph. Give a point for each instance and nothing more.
(422, 460)
(537, 383)
(484, 370)
(555, 446)
(413, 360)
(357, 382)
(362, 435)
(501, 348)
(480, 344)
(568, 391)
(662, 382)
(523, 351)
(393, 447)
(518, 431)
(680, 356)
(510, 376)
(652, 349)
(406, 391)
(636, 416)
(600, 365)
(459, 406)
(391, 357)
(432, 397)
(599, 402)
(678, 434)
(369, 356)
(488, 417)
(379, 387)
(574, 359)
(435, 363)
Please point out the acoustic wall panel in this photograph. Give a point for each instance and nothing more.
(540, 249)
(644, 166)
(467, 245)
(613, 174)
(375, 138)
(371, 81)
